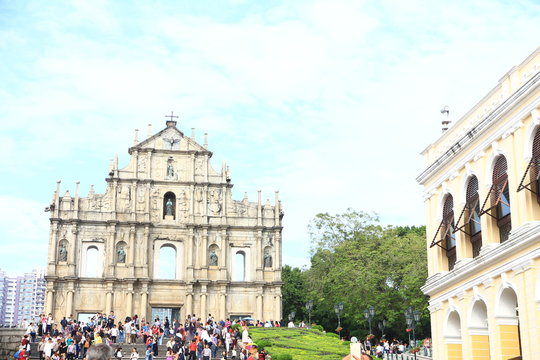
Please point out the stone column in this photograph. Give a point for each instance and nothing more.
(145, 252)
(189, 304)
(73, 251)
(206, 165)
(110, 246)
(108, 302)
(192, 202)
(131, 253)
(222, 305)
(259, 313)
(202, 310)
(69, 302)
(144, 304)
(204, 211)
(53, 242)
(193, 168)
(49, 303)
(129, 303)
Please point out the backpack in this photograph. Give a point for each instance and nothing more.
(16, 355)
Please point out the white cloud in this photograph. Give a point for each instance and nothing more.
(329, 102)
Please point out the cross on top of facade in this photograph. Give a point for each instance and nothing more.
(171, 122)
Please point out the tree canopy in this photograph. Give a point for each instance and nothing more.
(357, 261)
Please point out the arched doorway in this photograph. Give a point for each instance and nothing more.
(508, 324)
(478, 331)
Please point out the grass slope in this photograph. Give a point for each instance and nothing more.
(301, 344)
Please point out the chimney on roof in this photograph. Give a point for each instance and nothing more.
(446, 122)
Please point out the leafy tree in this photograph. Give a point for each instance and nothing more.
(294, 291)
(357, 261)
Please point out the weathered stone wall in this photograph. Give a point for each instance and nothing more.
(9, 342)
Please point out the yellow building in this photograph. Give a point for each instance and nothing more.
(482, 195)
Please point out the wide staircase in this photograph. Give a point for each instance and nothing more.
(127, 348)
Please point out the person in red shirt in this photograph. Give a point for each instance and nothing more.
(193, 349)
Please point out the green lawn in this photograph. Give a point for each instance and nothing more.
(301, 344)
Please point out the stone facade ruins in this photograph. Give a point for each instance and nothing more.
(107, 251)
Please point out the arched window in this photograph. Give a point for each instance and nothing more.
(471, 214)
(531, 178)
(473, 208)
(499, 197)
(267, 257)
(452, 335)
(449, 233)
(239, 270)
(92, 261)
(169, 205)
(167, 262)
(446, 231)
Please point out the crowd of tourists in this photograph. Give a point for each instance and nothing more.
(192, 339)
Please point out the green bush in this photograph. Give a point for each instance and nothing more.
(264, 343)
(317, 327)
(331, 334)
(237, 327)
(285, 356)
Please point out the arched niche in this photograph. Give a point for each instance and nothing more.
(479, 317)
(213, 255)
(121, 252)
(453, 326)
(62, 252)
(268, 260)
(169, 205)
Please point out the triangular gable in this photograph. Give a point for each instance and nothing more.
(169, 131)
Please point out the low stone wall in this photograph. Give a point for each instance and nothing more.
(9, 342)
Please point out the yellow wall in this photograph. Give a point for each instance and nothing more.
(509, 341)
(480, 347)
(454, 352)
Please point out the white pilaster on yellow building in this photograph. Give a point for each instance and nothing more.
(482, 197)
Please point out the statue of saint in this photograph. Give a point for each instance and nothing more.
(62, 253)
(267, 260)
(121, 255)
(170, 170)
(168, 207)
(213, 258)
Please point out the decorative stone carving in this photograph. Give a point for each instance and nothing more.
(183, 204)
(214, 202)
(142, 163)
(269, 238)
(124, 198)
(62, 251)
(141, 200)
(199, 201)
(199, 166)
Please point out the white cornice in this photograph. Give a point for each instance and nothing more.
(520, 238)
(466, 141)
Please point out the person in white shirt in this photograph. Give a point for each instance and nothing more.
(245, 335)
(291, 324)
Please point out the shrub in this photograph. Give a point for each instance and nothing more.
(264, 343)
(331, 334)
(237, 327)
(285, 356)
(317, 327)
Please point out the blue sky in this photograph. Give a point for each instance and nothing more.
(328, 101)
